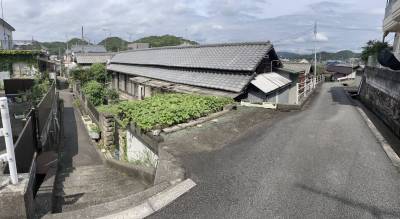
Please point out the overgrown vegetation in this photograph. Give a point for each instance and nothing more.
(165, 110)
(94, 92)
(8, 57)
(96, 72)
(40, 87)
(94, 82)
(373, 48)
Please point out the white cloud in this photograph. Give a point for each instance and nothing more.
(290, 27)
(321, 37)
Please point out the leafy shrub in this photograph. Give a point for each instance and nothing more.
(165, 110)
(95, 92)
(98, 72)
(112, 96)
(81, 75)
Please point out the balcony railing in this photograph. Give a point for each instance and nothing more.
(389, 7)
(19, 45)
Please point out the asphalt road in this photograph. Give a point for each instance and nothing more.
(322, 162)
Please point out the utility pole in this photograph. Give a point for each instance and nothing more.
(315, 52)
(82, 41)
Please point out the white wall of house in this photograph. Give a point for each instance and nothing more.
(5, 38)
(138, 152)
(22, 69)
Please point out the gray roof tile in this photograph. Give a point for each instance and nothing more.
(231, 57)
(88, 48)
(208, 79)
(91, 58)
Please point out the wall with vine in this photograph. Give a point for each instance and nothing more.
(8, 57)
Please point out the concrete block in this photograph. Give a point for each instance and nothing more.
(16, 201)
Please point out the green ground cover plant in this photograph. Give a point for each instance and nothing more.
(165, 110)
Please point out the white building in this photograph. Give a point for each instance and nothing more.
(6, 35)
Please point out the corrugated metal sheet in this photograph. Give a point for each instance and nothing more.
(208, 79)
(232, 57)
(269, 82)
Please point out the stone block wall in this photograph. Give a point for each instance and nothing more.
(107, 126)
(380, 91)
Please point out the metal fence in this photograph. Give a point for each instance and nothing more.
(93, 111)
(41, 132)
(48, 119)
(305, 88)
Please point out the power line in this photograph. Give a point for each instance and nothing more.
(293, 36)
(348, 28)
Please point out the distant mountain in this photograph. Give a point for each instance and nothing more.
(77, 41)
(166, 40)
(114, 44)
(341, 55)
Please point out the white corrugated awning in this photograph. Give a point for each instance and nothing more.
(269, 82)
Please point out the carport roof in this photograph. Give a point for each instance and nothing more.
(269, 82)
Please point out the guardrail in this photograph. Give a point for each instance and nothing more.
(305, 88)
(6, 131)
(41, 132)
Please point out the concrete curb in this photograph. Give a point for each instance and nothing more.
(394, 158)
(382, 141)
(155, 203)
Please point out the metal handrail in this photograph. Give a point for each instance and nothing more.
(6, 131)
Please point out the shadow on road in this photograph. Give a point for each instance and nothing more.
(377, 212)
(340, 96)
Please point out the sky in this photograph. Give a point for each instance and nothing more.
(288, 24)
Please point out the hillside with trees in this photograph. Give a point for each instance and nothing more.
(114, 44)
(341, 55)
(166, 40)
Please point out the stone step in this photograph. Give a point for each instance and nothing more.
(71, 188)
(75, 201)
(112, 205)
(85, 170)
(85, 179)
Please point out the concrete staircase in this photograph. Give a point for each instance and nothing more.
(81, 187)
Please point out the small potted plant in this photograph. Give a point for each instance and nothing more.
(94, 131)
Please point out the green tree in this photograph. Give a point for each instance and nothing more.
(98, 72)
(95, 92)
(81, 75)
(373, 48)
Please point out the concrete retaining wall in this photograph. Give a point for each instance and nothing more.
(380, 91)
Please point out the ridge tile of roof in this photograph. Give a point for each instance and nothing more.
(230, 56)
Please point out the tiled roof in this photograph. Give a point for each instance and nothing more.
(208, 79)
(88, 48)
(91, 58)
(230, 57)
(295, 67)
(341, 68)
